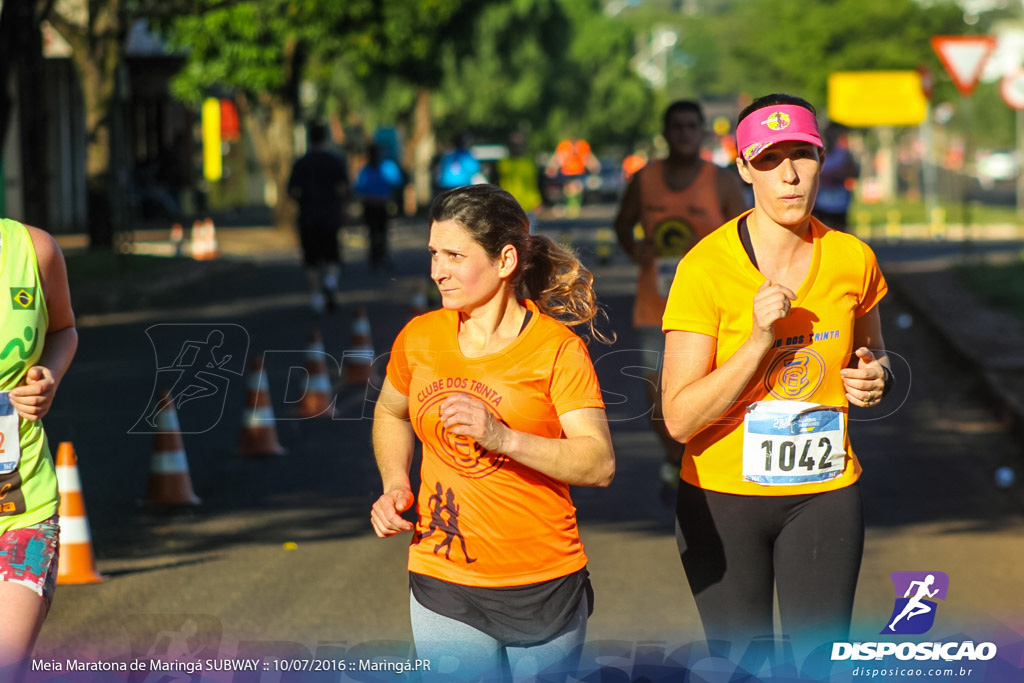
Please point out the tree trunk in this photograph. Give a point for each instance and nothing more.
(97, 44)
(271, 125)
(422, 147)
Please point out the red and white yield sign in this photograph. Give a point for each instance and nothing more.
(964, 58)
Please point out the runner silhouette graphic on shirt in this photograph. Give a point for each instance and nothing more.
(194, 360)
(450, 527)
(915, 606)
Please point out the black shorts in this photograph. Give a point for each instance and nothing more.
(319, 245)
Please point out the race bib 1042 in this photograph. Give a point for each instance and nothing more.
(793, 442)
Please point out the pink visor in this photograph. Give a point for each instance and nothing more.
(775, 123)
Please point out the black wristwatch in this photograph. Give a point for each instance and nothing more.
(890, 380)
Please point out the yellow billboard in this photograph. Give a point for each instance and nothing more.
(861, 99)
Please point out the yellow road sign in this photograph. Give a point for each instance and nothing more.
(876, 98)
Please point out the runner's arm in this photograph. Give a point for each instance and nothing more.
(627, 218)
(865, 372)
(694, 395)
(33, 399)
(393, 445)
(585, 456)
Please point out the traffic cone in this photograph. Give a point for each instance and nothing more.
(258, 436)
(358, 358)
(75, 562)
(169, 480)
(204, 240)
(212, 248)
(317, 399)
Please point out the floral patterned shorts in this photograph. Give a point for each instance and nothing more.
(29, 556)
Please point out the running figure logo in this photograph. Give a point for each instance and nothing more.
(440, 503)
(914, 613)
(195, 365)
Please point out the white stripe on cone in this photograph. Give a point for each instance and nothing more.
(172, 462)
(74, 530)
(68, 480)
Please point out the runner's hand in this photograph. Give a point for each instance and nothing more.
(771, 304)
(465, 415)
(386, 513)
(865, 383)
(33, 399)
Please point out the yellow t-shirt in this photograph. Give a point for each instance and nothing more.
(484, 519)
(713, 293)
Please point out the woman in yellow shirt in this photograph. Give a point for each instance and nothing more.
(772, 332)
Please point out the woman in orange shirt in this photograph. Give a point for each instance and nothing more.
(504, 398)
(772, 332)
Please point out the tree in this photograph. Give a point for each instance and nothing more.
(96, 32)
(258, 52)
(21, 58)
(763, 46)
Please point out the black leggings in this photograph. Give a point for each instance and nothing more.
(737, 549)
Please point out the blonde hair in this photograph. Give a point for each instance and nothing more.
(549, 274)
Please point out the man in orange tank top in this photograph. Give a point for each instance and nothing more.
(676, 201)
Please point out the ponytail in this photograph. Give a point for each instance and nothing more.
(561, 286)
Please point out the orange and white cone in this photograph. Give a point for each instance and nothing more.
(204, 240)
(169, 481)
(317, 399)
(358, 358)
(75, 563)
(258, 436)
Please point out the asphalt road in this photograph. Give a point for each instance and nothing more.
(279, 559)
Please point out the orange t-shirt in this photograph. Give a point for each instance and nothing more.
(484, 519)
(573, 156)
(674, 221)
(713, 294)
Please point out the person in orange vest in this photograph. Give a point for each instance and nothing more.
(677, 201)
(39, 326)
(572, 160)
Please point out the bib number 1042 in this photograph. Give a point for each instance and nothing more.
(786, 443)
(812, 456)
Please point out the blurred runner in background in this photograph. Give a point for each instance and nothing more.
(319, 182)
(376, 185)
(571, 162)
(458, 167)
(838, 175)
(677, 201)
(518, 175)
